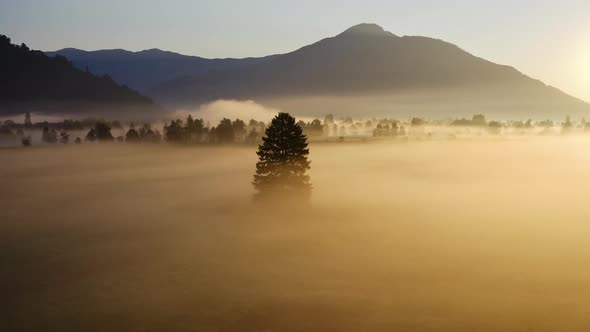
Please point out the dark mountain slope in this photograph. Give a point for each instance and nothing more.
(33, 81)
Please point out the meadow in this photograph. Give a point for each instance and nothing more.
(480, 234)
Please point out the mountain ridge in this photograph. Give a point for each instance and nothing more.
(142, 70)
(32, 81)
(363, 60)
(367, 60)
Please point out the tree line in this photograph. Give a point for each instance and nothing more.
(198, 131)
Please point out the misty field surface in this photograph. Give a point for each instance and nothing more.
(464, 235)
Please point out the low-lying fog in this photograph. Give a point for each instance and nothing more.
(483, 234)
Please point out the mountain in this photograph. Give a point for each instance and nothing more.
(146, 69)
(367, 71)
(33, 82)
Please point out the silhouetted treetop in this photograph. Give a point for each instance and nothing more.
(283, 164)
(103, 132)
(225, 131)
(132, 136)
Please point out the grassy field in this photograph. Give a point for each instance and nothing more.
(465, 235)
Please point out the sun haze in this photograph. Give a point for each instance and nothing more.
(270, 166)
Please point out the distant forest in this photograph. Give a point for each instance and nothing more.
(31, 76)
(198, 131)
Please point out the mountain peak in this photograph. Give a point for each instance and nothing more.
(367, 29)
(154, 52)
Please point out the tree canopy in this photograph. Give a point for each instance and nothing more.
(281, 170)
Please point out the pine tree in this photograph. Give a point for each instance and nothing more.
(103, 132)
(282, 165)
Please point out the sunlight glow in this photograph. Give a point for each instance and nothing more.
(583, 63)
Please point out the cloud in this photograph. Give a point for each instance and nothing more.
(231, 109)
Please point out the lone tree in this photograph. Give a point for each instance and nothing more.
(282, 165)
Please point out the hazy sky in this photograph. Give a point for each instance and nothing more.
(549, 40)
